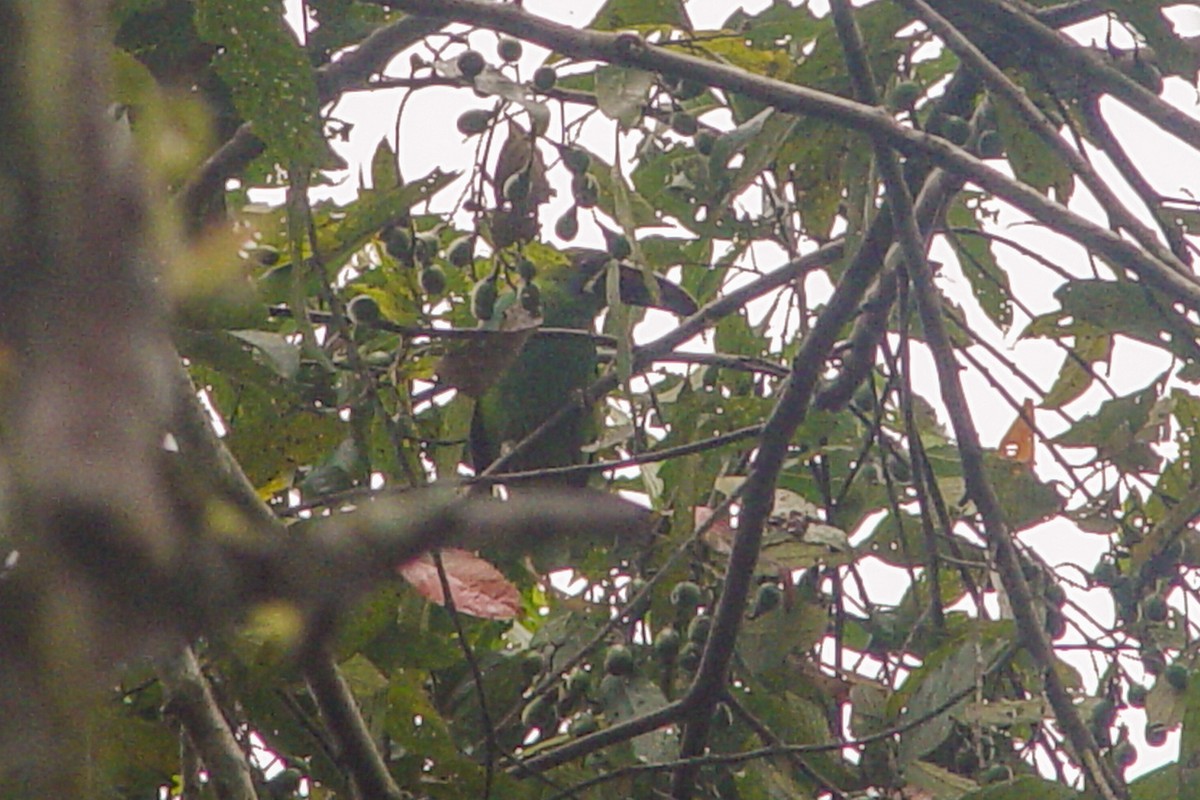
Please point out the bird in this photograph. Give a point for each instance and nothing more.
(549, 369)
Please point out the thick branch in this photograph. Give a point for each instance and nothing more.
(191, 701)
(1033, 636)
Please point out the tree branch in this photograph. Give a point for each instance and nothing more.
(630, 50)
(190, 700)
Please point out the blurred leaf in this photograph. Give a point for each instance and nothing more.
(1024, 788)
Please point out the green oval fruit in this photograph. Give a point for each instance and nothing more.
(1156, 734)
(705, 142)
(618, 660)
(526, 269)
(544, 78)
(1177, 676)
(433, 280)
(698, 629)
(575, 160)
(483, 299)
(585, 190)
(667, 644)
(363, 310)
(618, 245)
(686, 595)
(425, 247)
(689, 656)
(399, 244)
(474, 121)
(1136, 697)
(1156, 609)
(510, 49)
(1105, 573)
(584, 724)
(991, 145)
(530, 298)
(470, 63)
(684, 123)
(642, 606)
(461, 251)
(532, 664)
(768, 597)
(539, 713)
(567, 226)
(578, 683)
(1056, 624)
(1030, 570)
(956, 129)
(903, 96)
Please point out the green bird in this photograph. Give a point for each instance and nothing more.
(550, 368)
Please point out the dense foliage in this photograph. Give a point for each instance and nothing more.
(827, 597)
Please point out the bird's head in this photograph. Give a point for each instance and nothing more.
(586, 277)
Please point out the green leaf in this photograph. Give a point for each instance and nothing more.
(618, 15)
(280, 354)
(621, 93)
(1077, 373)
(1121, 431)
(385, 170)
(1189, 745)
(1024, 497)
(272, 81)
(767, 644)
(989, 283)
(1172, 52)
(938, 782)
(624, 698)
(1025, 788)
(640, 211)
(947, 672)
(1159, 784)
(1032, 160)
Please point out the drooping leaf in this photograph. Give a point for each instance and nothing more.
(621, 93)
(989, 283)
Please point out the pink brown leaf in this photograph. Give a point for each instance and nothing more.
(478, 588)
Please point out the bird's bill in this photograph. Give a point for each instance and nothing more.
(635, 290)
